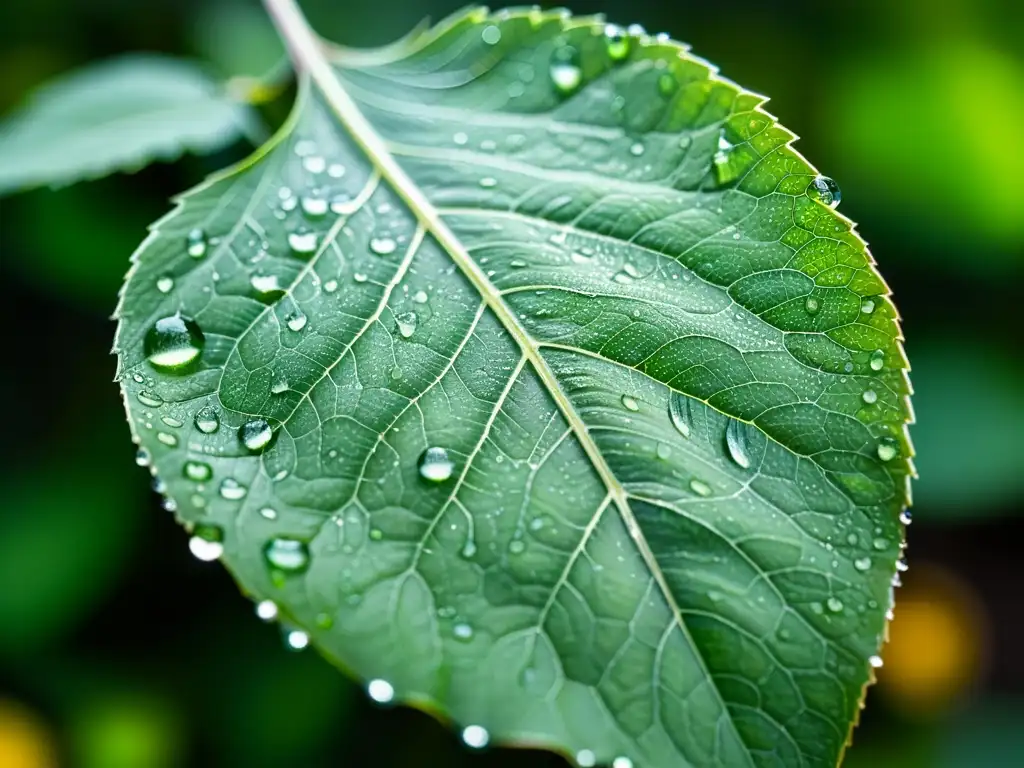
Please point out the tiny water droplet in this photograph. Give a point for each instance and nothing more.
(256, 434)
(330, 286)
(565, 71)
(630, 404)
(296, 640)
(406, 322)
(173, 343)
(280, 385)
(887, 449)
(266, 610)
(812, 305)
(867, 305)
(700, 487)
(195, 243)
(460, 138)
(667, 84)
(877, 360)
(143, 457)
(737, 442)
(383, 246)
(825, 191)
(167, 439)
(435, 465)
(880, 543)
(232, 490)
(197, 471)
(268, 513)
(303, 243)
(152, 399)
(207, 420)
(172, 422)
(462, 631)
(296, 321)
(679, 413)
(636, 149)
(165, 284)
(314, 164)
(869, 396)
(862, 563)
(420, 297)
(834, 604)
(360, 277)
(475, 736)
(487, 182)
(663, 452)
(517, 546)
(289, 555)
(380, 691)
(206, 543)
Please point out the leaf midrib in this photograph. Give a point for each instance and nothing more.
(308, 55)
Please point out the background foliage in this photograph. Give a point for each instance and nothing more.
(117, 648)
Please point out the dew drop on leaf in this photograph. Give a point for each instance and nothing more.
(207, 420)
(679, 413)
(617, 42)
(700, 487)
(490, 34)
(149, 399)
(736, 440)
(197, 471)
(314, 207)
(867, 305)
(887, 449)
(288, 555)
(825, 191)
(629, 403)
(143, 457)
(195, 243)
(463, 631)
(173, 343)
(380, 691)
(314, 164)
(406, 322)
(302, 243)
(296, 640)
(383, 246)
(167, 439)
(232, 490)
(296, 321)
(812, 305)
(862, 563)
(475, 736)
(435, 465)
(875, 662)
(256, 434)
(165, 283)
(266, 610)
(565, 71)
(877, 360)
(206, 543)
(869, 396)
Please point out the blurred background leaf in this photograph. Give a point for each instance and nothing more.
(912, 106)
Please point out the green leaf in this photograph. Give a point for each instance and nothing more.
(118, 115)
(522, 371)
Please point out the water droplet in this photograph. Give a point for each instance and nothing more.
(679, 413)
(901, 565)
(266, 610)
(151, 399)
(268, 513)
(289, 555)
(314, 207)
(380, 691)
(302, 243)
(585, 758)
(462, 631)
(487, 182)
(737, 441)
(490, 34)
(877, 360)
(565, 71)
(721, 158)
(314, 164)
(167, 439)
(207, 420)
(617, 42)
(875, 662)
(330, 286)
(296, 321)
(700, 487)
(267, 287)
(862, 563)
(834, 604)
(630, 404)
(206, 543)
(517, 546)
(360, 277)
(195, 243)
(280, 385)
(869, 396)
(158, 485)
(867, 305)
(256, 434)
(667, 84)
(170, 421)
(296, 640)
(420, 297)
(906, 517)
(232, 490)
(825, 191)
(460, 138)
(376, 534)
(887, 449)
(383, 246)
(663, 452)
(475, 736)
(636, 149)
(173, 343)
(435, 465)
(336, 170)
(143, 457)
(406, 322)
(812, 305)
(880, 543)
(165, 284)
(622, 762)
(197, 471)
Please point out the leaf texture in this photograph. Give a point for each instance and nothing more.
(539, 386)
(118, 115)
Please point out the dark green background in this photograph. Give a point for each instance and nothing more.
(127, 652)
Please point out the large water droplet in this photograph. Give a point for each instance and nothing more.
(197, 471)
(174, 343)
(867, 305)
(700, 487)
(165, 283)
(266, 610)
(151, 399)
(380, 691)
(566, 74)
(303, 243)
(289, 555)
(475, 736)
(296, 321)
(825, 191)
(875, 662)
(617, 42)
(877, 360)
(679, 413)
(888, 448)
(207, 420)
(630, 404)
(737, 441)
(383, 246)
(167, 439)
(834, 604)
(256, 434)
(267, 287)
(869, 396)
(195, 243)
(435, 465)
(314, 207)
(862, 563)
(207, 542)
(812, 305)
(406, 322)
(232, 490)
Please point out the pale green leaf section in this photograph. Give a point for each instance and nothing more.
(118, 115)
(536, 389)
